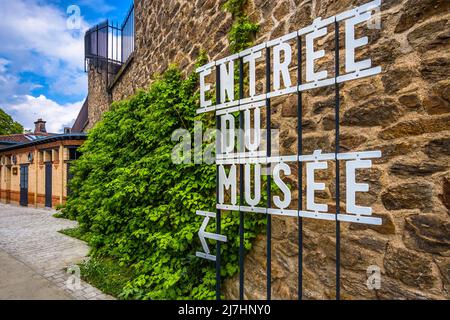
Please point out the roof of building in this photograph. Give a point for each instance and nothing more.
(23, 137)
(41, 140)
(82, 118)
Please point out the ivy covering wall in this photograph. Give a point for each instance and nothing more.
(138, 207)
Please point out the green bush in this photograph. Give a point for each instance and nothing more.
(139, 208)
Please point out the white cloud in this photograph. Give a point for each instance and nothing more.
(29, 26)
(31, 108)
(34, 38)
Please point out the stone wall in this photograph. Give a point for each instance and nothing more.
(404, 112)
(99, 97)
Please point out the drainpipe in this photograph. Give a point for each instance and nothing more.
(36, 168)
(61, 161)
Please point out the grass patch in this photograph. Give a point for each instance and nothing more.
(59, 215)
(62, 215)
(77, 233)
(106, 274)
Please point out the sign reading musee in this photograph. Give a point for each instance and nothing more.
(252, 152)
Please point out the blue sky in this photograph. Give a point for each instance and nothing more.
(41, 58)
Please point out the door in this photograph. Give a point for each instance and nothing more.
(24, 185)
(69, 177)
(8, 184)
(48, 184)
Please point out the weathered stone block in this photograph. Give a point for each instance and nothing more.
(362, 90)
(410, 100)
(436, 105)
(329, 122)
(443, 264)
(442, 89)
(437, 148)
(416, 127)
(409, 267)
(418, 10)
(350, 141)
(385, 53)
(312, 143)
(445, 196)
(419, 169)
(387, 226)
(431, 36)
(416, 195)
(370, 242)
(392, 289)
(320, 106)
(392, 150)
(397, 79)
(435, 69)
(429, 233)
(372, 113)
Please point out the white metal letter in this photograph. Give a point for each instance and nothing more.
(312, 55)
(354, 161)
(227, 183)
(283, 187)
(227, 132)
(312, 186)
(281, 69)
(227, 81)
(353, 187)
(252, 146)
(257, 184)
(351, 43)
(252, 71)
(204, 88)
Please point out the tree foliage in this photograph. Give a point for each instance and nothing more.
(8, 125)
(139, 207)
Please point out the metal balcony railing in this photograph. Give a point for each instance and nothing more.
(127, 30)
(107, 45)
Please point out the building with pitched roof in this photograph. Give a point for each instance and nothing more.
(34, 167)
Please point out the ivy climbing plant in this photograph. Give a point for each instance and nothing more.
(243, 29)
(137, 206)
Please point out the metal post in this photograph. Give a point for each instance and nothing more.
(269, 217)
(218, 231)
(299, 168)
(117, 41)
(336, 143)
(107, 56)
(121, 43)
(96, 49)
(241, 184)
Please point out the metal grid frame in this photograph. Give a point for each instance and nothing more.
(268, 190)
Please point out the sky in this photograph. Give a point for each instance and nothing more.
(42, 57)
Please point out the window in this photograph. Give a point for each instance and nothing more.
(74, 154)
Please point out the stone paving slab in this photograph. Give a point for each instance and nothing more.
(19, 282)
(31, 236)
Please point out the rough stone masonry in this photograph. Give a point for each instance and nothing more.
(404, 112)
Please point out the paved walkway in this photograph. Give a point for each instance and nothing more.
(34, 257)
